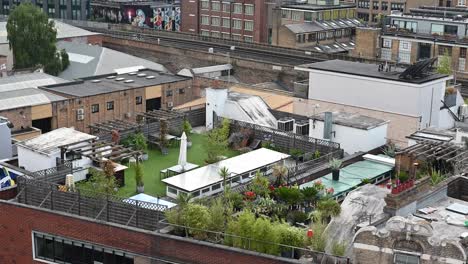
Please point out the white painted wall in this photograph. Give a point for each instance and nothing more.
(390, 96)
(35, 161)
(6, 150)
(351, 139)
(215, 102)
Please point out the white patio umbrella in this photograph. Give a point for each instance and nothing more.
(183, 151)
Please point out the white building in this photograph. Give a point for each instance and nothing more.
(206, 181)
(363, 86)
(354, 132)
(237, 106)
(5, 139)
(221, 72)
(42, 152)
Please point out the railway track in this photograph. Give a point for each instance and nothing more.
(272, 56)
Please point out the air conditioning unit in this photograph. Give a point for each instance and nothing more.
(128, 115)
(170, 104)
(286, 124)
(80, 114)
(302, 128)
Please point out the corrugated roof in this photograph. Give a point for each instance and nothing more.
(21, 90)
(304, 27)
(255, 108)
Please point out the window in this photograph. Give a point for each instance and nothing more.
(181, 90)
(363, 4)
(139, 100)
(445, 50)
(63, 13)
(226, 35)
(248, 38)
(450, 30)
(441, 2)
(237, 24)
(226, 22)
(286, 13)
(168, 93)
(195, 193)
(386, 43)
(375, 5)
(437, 29)
(205, 190)
(409, 25)
(110, 105)
(461, 2)
(312, 37)
(308, 16)
(397, 6)
(384, 6)
(216, 21)
(462, 52)
(400, 258)
(171, 190)
(248, 25)
(237, 8)
(249, 10)
(95, 108)
(296, 15)
(205, 20)
(63, 2)
(226, 7)
(52, 11)
(205, 33)
(386, 54)
(236, 37)
(215, 34)
(215, 6)
(216, 186)
(62, 250)
(205, 5)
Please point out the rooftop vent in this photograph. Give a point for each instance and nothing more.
(141, 75)
(110, 77)
(151, 77)
(120, 79)
(95, 81)
(286, 124)
(132, 73)
(129, 81)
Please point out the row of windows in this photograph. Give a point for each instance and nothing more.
(226, 35)
(60, 250)
(375, 5)
(237, 8)
(226, 22)
(314, 37)
(322, 15)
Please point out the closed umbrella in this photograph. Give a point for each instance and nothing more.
(183, 151)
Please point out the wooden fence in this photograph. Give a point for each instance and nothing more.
(90, 204)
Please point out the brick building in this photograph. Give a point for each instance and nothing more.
(320, 27)
(63, 9)
(116, 96)
(243, 20)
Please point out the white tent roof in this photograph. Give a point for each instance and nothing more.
(149, 199)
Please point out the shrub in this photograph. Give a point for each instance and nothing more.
(318, 241)
(260, 185)
(139, 175)
(196, 216)
(242, 227)
(317, 154)
(187, 128)
(264, 233)
(436, 177)
(403, 176)
(291, 196)
(296, 153)
(338, 248)
(365, 181)
(297, 217)
(310, 194)
(335, 164)
(328, 208)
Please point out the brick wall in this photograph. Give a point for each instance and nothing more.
(20, 117)
(16, 244)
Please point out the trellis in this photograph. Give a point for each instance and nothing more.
(97, 150)
(114, 125)
(156, 115)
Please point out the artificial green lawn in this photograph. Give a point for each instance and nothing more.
(157, 162)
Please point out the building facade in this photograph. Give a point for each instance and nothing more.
(320, 27)
(102, 98)
(242, 20)
(63, 9)
(427, 33)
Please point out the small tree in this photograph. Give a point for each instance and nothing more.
(279, 173)
(329, 208)
(444, 65)
(264, 233)
(224, 173)
(163, 130)
(139, 142)
(260, 184)
(64, 59)
(187, 128)
(102, 183)
(196, 216)
(217, 142)
(139, 175)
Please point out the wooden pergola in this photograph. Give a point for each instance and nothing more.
(115, 125)
(156, 115)
(96, 150)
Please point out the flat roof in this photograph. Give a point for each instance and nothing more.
(352, 176)
(353, 120)
(208, 175)
(110, 83)
(367, 70)
(50, 142)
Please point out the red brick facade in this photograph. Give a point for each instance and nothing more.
(193, 12)
(18, 222)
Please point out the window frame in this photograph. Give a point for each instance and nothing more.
(111, 103)
(94, 108)
(139, 100)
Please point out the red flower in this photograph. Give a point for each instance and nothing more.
(250, 195)
(272, 188)
(318, 182)
(330, 190)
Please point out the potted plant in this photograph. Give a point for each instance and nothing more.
(187, 128)
(139, 178)
(335, 165)
(139, 142)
